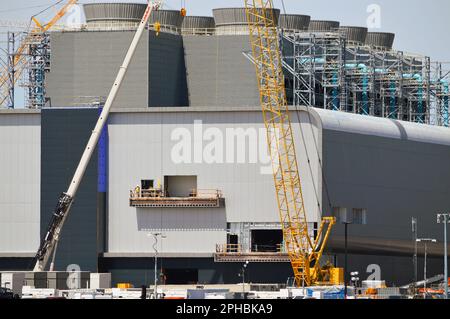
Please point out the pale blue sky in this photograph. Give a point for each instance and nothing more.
(421, 26)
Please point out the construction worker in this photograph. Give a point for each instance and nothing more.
(137, 191)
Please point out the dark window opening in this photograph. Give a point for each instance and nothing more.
(146, 183)
(233, 243)
(181, 276)
(267, 240)
(180, 186)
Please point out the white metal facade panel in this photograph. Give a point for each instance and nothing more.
(141, 147)
(20, 167)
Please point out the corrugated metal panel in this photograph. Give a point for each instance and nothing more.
(235, 16)
(196, 22)
(20, 187)
(294, 21)
(380, 39)
(99, 12)
(167, 18)
(355, 34)
(323, 25)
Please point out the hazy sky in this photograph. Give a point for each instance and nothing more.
(421, 26)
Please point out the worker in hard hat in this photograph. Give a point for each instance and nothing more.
(137, 191)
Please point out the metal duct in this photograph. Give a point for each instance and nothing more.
(195, 22)
(355, 34)
(380, 39)
(323, 25)
(294, 21)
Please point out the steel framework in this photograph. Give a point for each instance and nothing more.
(31, 50)
(327, 71)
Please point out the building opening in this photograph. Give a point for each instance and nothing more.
(146, 183)
(181, 276)
(267, 240)
(180, 186)
(233, 243)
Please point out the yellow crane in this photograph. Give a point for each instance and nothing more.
(19, 59)
(304, 252)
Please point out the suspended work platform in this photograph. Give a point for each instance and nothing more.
(157, 198)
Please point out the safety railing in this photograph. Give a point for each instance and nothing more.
(236, 253)
(228, 248)
(237, 249)
(156, 197)
(159, 193)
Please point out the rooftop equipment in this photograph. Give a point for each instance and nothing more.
(382, 40)
(294, 22)
(233, 21)
(113, 13)
(354, 34)
(323, 25)
(198, 25)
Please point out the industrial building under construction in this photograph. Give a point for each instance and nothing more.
(184, 153)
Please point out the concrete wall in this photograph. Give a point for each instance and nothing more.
(20, 187)
(141, 147)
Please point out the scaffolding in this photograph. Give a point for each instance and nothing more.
(317, 62)
(37, 65)
(325, 70)
(26, 67)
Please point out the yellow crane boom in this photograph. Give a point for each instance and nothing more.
(19, 59)
(304, 252)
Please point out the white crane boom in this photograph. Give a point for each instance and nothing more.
(61, 212)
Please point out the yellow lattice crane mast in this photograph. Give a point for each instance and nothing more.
(304, 252)
(20, 55)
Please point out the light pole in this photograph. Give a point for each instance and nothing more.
(355, 280)
(243, 278)
(155, 248)
(414, 231)
(346, 223)
(425, 241)
(445, 219)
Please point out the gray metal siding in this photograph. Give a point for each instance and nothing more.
(86, 64)
(20, 182)
(167, 71)
(395, 179)
(64, 136)
(218, 73)
(140, 148)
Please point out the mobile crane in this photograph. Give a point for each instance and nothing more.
(51, 238)
(304, 252)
